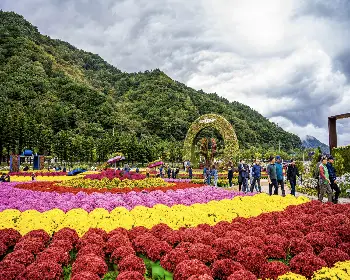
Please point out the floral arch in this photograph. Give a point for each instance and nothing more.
(218, 123)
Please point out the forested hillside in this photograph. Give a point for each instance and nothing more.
(65, 102)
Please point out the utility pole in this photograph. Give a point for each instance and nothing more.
(279, 146)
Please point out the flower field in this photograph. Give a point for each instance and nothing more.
(102, 226)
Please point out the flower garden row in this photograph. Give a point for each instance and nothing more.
(270, 246)
(176, 216)
(35, 196)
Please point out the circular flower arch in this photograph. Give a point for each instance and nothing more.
(222, 126)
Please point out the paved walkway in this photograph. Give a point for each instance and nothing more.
(265, 189)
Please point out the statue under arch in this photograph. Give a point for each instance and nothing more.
(220, 124)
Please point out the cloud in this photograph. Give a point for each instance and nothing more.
(288, 59)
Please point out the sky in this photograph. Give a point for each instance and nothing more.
(289, 60)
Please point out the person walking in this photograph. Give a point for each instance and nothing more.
(169, 172)
(280, 177)
(33, 176)
(292, 173)
(256, 174)
(325, 187)
(272, 176)
(243, 170)
(240, 172)
(190, 173)
(208, 175)
(147, 172)
(215, 175)
(173, 173)
(333, 178)
(230, 176)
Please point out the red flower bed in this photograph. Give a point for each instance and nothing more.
(240, 252)
(157, 250)
(117, 241)
(333, 255)
(91, 249)
(91, 263)
(39, 234)
(242, 275)
(252, 259)
(306, 264)
(203, 253)
(33, 245)
(189, 268)
(66, 245)
(85, 275)
(272, 270)
(120, 253)
(21, 257)
(130, 275)
(132, 263)
(66, 234)
(9, 237)
(9, 270)
(173, 258)
(226, 248)
(54, 254)
(222, 269)
(42, 270)
(201, 277)
(52, 187)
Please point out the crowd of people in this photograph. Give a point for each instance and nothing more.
(249, 177)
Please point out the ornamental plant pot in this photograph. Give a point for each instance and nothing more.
(157, 271)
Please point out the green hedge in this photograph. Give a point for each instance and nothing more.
(342, 159)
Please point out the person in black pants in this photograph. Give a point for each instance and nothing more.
(230, 176)
(292, 173)
(256, 172)
(333, 178)
(272, 176)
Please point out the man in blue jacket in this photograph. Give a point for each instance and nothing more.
(279, 171)
(256, 172)
(333, 178)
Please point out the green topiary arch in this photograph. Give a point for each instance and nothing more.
(222, 126)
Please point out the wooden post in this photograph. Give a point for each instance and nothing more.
(332, 128)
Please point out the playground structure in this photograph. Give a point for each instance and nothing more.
(16, 160)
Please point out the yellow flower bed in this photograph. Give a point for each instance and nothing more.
(45, 178)
(176, 216)
(116, 183)
(340, 270)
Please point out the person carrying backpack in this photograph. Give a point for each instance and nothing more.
(324, 181)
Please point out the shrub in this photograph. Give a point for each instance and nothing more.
(306, 263)
(130, 275)
(173, 258)
(272, 270)
(120, 253)
(242, 275)
(132, 263)
(222, 269)
(189, 268)
(333, 255)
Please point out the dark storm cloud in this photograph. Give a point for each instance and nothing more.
(287, 59)
(331, 9)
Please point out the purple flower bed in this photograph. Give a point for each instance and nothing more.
(12, 198)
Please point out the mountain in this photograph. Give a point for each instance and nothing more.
(61, 101)
(314, 143)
